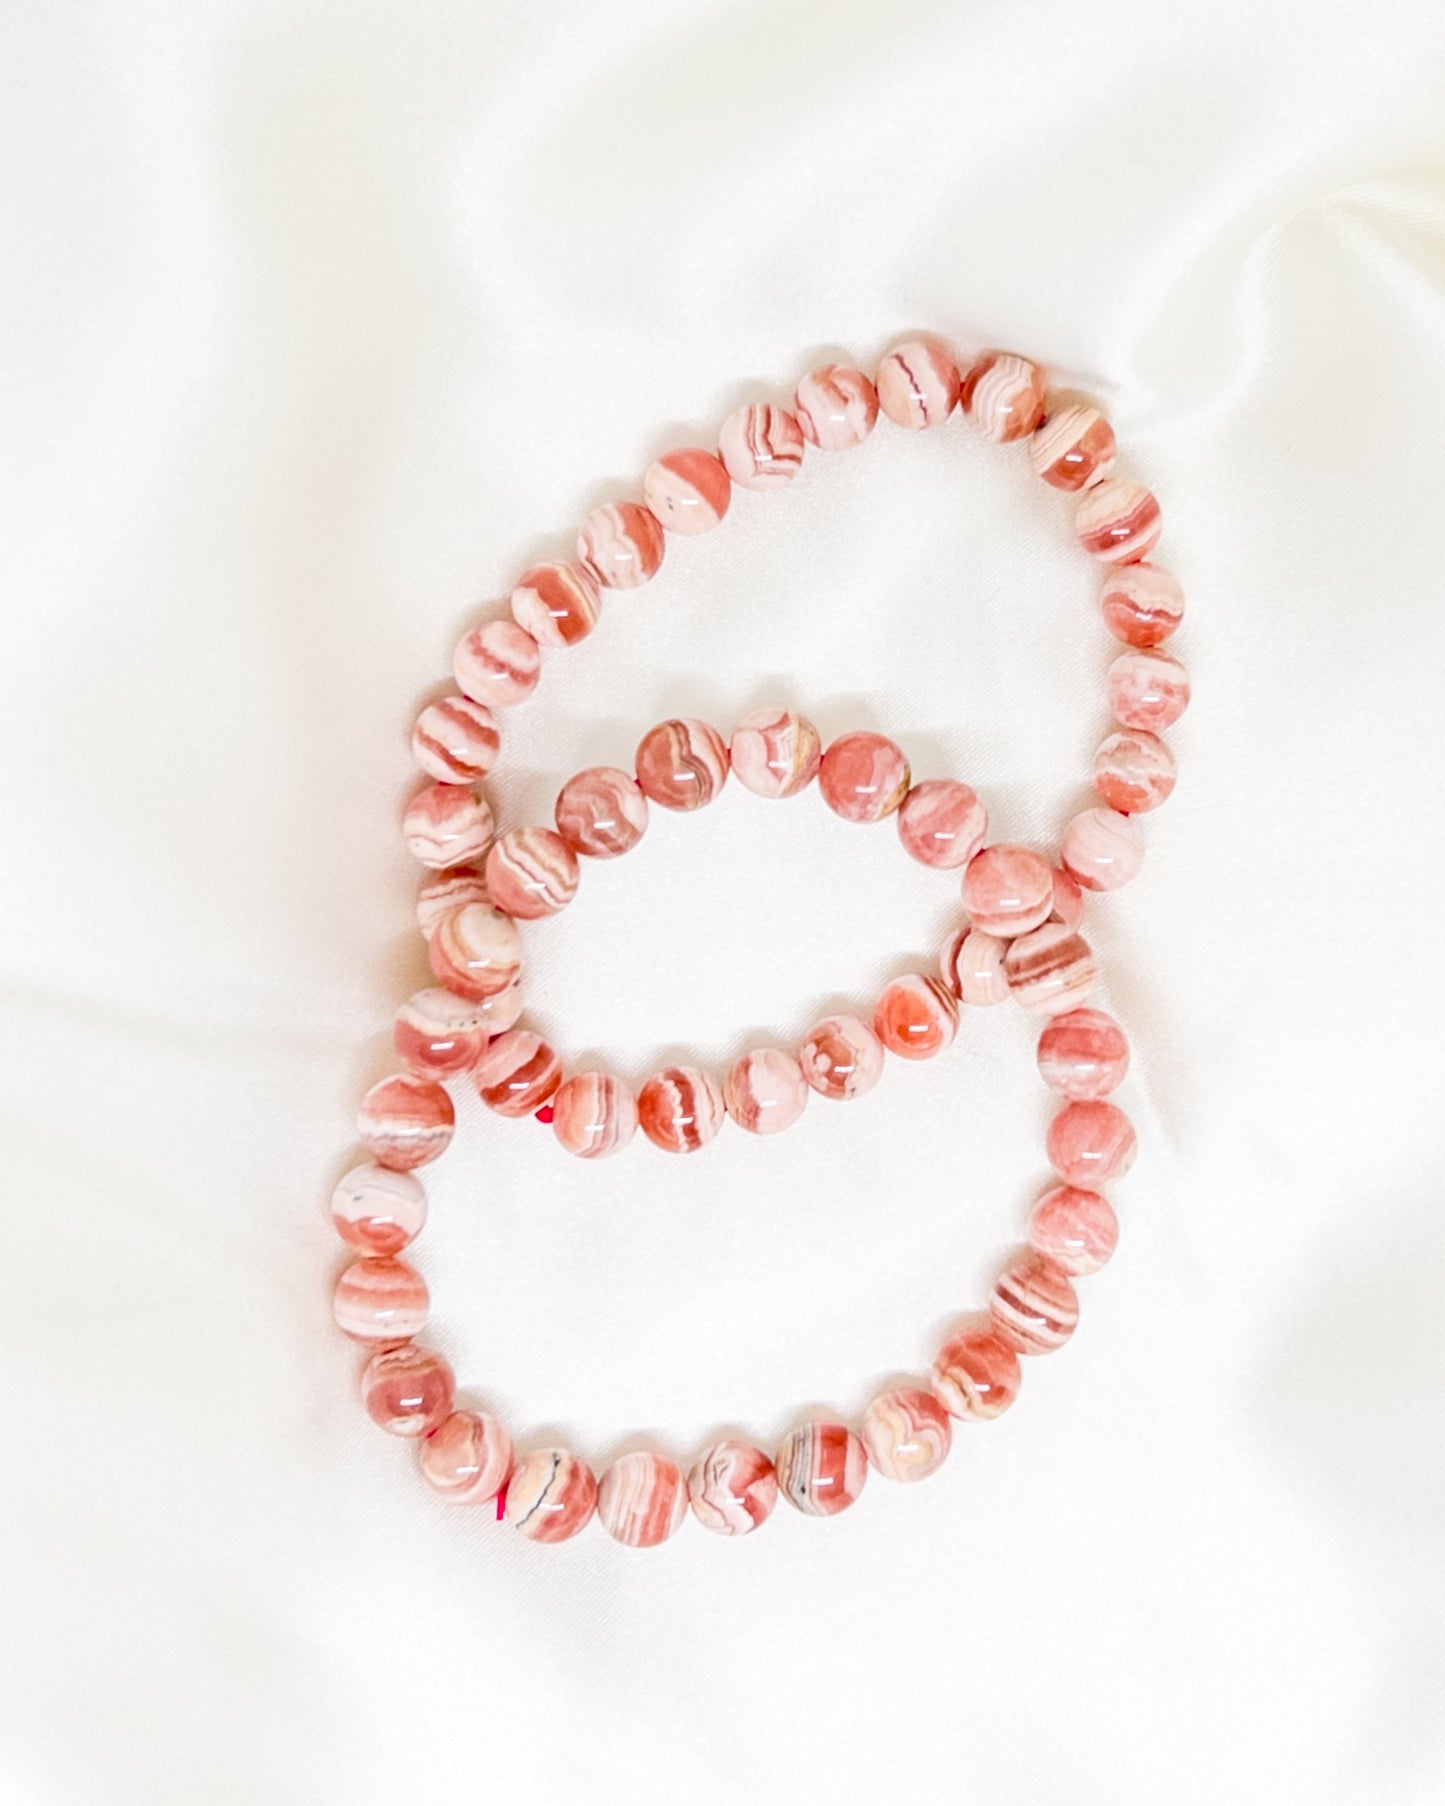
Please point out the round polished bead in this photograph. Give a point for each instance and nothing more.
(682, 764)
(551, 1495)
(1118, 521)
(1134, 771)
(1008, 890)
(497, 664)
(376, 1210)
(906, 1433)
(446, 891)
(733, 1488)
(621, 543)
(841, 1058)
(761, 446)
(447, 824)
(380, 1299)
(942, 823)
(408, 1390)
(1074, 448)
(821, 1467)
(1148, 690)
(916, 1017)
(517, 1074)
(918, 384)
(467, 1458)
(440, 1034)
(680, 1109)
(1083, 1056)
(972, 966)
(1076, 1230)
(688, 491)
(775, 753)
(455, 740)
(1091, 1144)
(531, 872)
(1103, 849)
(558, 604)
(765, 1091)
(1051, 969)
(593, 1115)
(1034, 1306)
(641, 1499)
(976, 1375)
(836, 407)
(1003, 395)
(1142, 604)
(863, 777)
(405, 1121)
(476, 950)
(1068, 899)
(601, 812)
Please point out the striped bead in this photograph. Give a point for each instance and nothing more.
(593, 1115)
(761, 446)
(976, 1375)
(1074, 448)
(1141, 604)
(1083, 1056)
(407, 1390)
(733, 1488)
(1134, 771)
(455, 740)
(681, 764)
(942, 823)
(517, 1073)
(1103, 849)
(551, 1495)
(380, 1299)
(621, 543)
(447, 824)
(1091, 1144)
(601, 812)
(1008, 890)
(765, 1091)
(775, 753)
(497, 664)
(688, 491)
(476, 951)
(405, 1121)
(1050, 970)
(841, 1058)
(558, 604)
(972, 964)
(822, 1468)
(836, 407)
(531, 872)
(680, 1109)
(641, 1499)
(1034, 1306)
(467, 1458)
(1003, 395)
(1069, 900)
(1147, 690)
(439, 1034)
(918, 384)
(453, 886)
(1076, 1230)
(916, 1017)
(906, 1433)
(376, 1210)
(1118, 521)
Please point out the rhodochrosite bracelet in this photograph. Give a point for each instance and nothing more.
(1019, 937)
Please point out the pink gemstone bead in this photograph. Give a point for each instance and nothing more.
(976, 1375)
(906, 1433)
(863, 777)
(972, 965)
(1008, 890)
(1083, 1055)
(447, 824)
(1003, 395)
(918, 384)
(841, 1058)
(377, 1210)
(1068, 899)
(1142, 604)
(942, 823)
(380, 1299)
(405, 1121)
(467, 1458)
(765, 1091)
(761, 447)
(836, 407)
(558, 604)
(641, 1499)
(497, 664)
(551, 1495)
(733, 1488)
(440, 1034)
(821, 1468)
(1149, 690)
(531, 872)
(916, 1017)
(448, 890)
(1118, 521)
(593, 1115)
(775, 753)
(517, 1074)
(1074, 448)
(456, 740)
(476, 950)
(407, 1390)
(621, 544)
(1134, 771)
(1103, 849)
(1051, 969)
(688, 491)
(1091, 1144)
(680, 1109)
(1076, 1230)
(1034, 1306)
(682, 764)
(601, 812)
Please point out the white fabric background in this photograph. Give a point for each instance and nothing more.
(320, 321)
